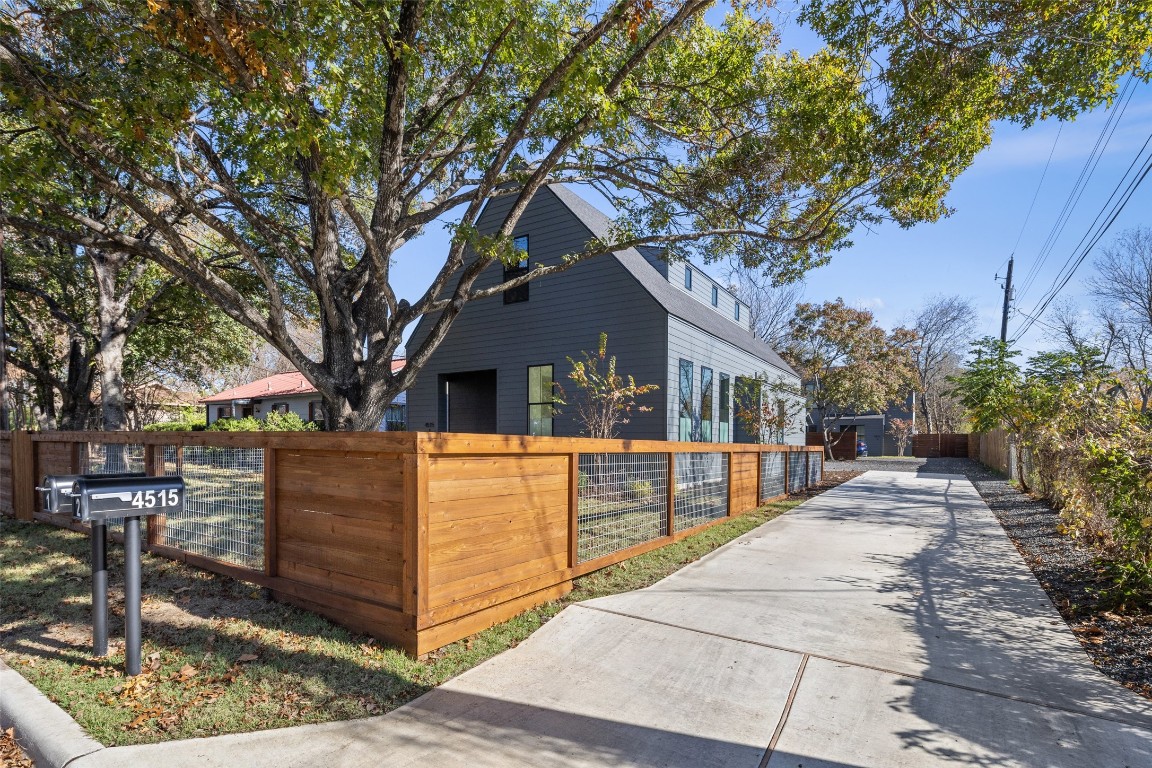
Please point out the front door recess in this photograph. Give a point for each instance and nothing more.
(468, 402)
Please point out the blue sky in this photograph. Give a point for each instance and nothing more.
(892, 271)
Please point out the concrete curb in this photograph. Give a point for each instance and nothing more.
(45, 731)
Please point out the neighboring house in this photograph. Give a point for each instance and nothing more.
(288, 393)
(668, 324)
(871, 426)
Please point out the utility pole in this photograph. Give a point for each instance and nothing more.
(1007, 301)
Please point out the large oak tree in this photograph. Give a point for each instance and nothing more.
(314, 139)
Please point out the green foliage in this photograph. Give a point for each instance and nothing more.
(273, 422)
(989, 385)
(607, 399)
(294, 148)
(287, 422)
(1086, 446)
(191, 418)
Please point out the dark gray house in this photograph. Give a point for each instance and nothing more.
(668, 324)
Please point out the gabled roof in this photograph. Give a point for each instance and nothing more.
(276, 385)
(675, 302)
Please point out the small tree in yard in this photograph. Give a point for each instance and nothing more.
(767, 407)
(902, 431)
(608, 398)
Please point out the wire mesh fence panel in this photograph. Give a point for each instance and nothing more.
(771, 475)
(701, 488)
(797, 471)
(111, 459)
(622, 500)
(815, 469)
(223, 515)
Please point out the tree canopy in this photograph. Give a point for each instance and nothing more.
(301, 145)
(848, 365)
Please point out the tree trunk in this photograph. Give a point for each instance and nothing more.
(112, 316)
(112, 379)
(76, 396)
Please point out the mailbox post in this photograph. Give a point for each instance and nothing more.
(57, 496)
(98, 498)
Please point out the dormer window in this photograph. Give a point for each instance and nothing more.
(688, 278)
(715, 296)
(520, 292)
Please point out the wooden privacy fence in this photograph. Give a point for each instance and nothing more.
(940, 445)
(419, 539)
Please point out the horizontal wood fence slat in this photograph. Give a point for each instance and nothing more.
(419, 539)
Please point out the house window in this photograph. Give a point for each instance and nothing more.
(315, 410)
(685, 400)
(223, 412)
(279, 408)
(748, 395)
(541, 396)
(706, 404)
(688, 278)
(519, 293)
(725, 408)
(715, 296)
(737, 315)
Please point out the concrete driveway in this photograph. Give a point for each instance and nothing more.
(888, 622)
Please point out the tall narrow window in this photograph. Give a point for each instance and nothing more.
(737, 315)
(706, 405)
(715, 296)
(685, 400)
(688, 278)
(725, 408)
(540, 400)
(520, 292)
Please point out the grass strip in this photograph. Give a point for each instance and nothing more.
(220, 659)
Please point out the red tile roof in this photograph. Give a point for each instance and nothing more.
(277, 385)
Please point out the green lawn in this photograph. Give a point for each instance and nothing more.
(220, 659)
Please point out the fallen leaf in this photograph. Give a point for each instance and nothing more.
(247, 657)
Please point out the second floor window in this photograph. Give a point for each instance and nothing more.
(715, 296)
(520, 292)
(737, 315)
(688, 278)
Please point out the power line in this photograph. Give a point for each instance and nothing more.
(1087, 171)
(1036, 194)
(1093, 238)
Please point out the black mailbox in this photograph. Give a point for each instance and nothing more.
(104, 497)
(56, 491)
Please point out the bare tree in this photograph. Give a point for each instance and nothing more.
(945, 326)
(770, 306)
(1122, 287)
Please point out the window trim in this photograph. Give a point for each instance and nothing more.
(726, 405)
(551, 403)
(707, 385)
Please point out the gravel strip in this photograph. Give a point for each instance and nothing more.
(1119, 645)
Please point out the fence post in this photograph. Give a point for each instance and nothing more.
(271, 559)
(787, 471)
(671, 494)
(731, 483)
(573, 509)
(23, 476)
(155, 523)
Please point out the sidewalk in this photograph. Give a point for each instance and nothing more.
(888, 622)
